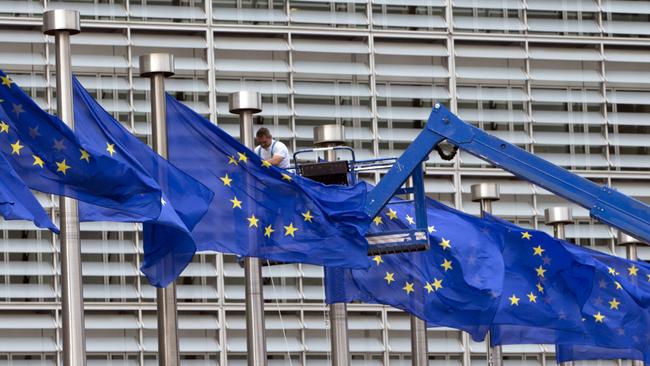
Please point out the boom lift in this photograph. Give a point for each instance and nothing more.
(604, 203)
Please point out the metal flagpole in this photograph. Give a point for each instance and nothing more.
(559, 217)
(245, 104)
(485, 193)
(62, 24)
(330, 136)
(158, 66)
(630, 245)
(419, 351)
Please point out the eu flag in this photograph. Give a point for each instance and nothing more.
(263, 211)
(456, 283)
(168, 245)
(17, 202)
(50, 158)
(586, 302)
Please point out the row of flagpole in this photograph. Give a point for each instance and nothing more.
(64, 23)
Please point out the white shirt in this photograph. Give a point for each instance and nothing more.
(276, 148)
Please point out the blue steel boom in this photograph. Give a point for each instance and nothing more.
(604, 203)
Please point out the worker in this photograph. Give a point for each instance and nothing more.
(273, 151)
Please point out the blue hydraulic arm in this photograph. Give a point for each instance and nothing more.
(604, 203)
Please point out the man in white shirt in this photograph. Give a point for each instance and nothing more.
(273, 151)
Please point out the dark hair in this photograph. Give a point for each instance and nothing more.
(263, 131)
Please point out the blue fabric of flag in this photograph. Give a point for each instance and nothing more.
(17, 202)
(456, 283)
(49, 157)
(168, 245)
(588, 303)
(260, 210)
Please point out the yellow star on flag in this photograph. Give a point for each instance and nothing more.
(526, 235)
(16, 147)
(378, 259)
(226, 180)
(514, 300)
(408, 288)
(437, 284)
(410, 219)
(611, 271)
(242, 157)
(307, 216)
(37, 161)
(6, 81)
(392, 214)
(390, 277)
(540, 288)
(632, 271)
(84, 155)
(532, 297)
(252, 221)
(286, 177)
(538, 250)
(110, 148)
(446, 265)
(235, 202)
(614, 304)
(266, 164)
(232, 160)
(648, 275)
(432, 229)
(377, 220)
(599, 317)
(618, 285)
(429, 288)
(4, 127)
(540, 271)
(290, 230)
(162, 201)
(268, 230)
(62, 167)
(445, 244)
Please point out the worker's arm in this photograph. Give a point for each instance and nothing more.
(276, 159)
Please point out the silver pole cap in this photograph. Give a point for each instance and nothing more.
(157, 63)
(245, 101)
(624, 239)
(332, 135)
(61, 20)
(485, 191)
(558, 215)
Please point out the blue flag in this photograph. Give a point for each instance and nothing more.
(588, 303)
(49, 157)
(168, 245)
(17, 202)
(456, 283)
(263, 211)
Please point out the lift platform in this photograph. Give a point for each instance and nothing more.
(345, 171)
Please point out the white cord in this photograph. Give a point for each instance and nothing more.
(326, 322)
(277, 304)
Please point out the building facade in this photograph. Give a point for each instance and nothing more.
(566, 79)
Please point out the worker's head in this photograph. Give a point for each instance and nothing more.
(264, 137)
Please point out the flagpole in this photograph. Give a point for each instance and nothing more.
(158, 66)
(485, 193)
(245, 104)
(330, 136)
(630, 245)
(559, 217)
(61, 24)
(419, 345)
